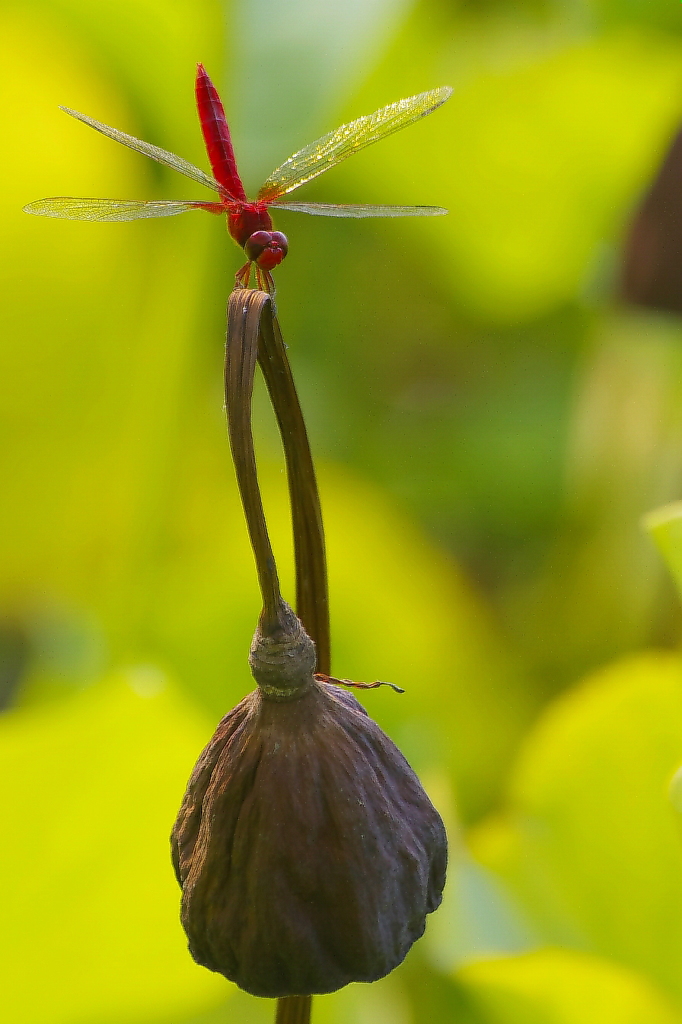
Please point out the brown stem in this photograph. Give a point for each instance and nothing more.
(254, 309)
(293, 1010)
(243, 318)
(312, 600)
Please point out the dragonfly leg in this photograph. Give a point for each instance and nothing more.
(265, 281)
(269, 283)
(243, 276)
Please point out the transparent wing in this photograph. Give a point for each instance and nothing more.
(361, 210)
(146, 148)
(350, 138)
(112, 209)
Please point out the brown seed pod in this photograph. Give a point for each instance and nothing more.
(308, 853)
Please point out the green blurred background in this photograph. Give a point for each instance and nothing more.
(490, 426)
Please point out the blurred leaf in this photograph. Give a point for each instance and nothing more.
(290, 64)
(675, 790)
(589, 845)
(104, 318)
(657, 14)
(538, 154)
(91, 931)
(602, 591)
(560, 987)
(148, 48)
(477, 918)
(665, 526)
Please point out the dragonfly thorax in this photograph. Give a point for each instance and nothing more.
(251, 227)
(244, 219)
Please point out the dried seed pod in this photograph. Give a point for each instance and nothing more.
(307, 851)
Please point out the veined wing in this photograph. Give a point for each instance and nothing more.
(331, 149)
(361, 210)
(154, 152)
(114, 209)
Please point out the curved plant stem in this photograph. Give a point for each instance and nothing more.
(312, 601)
(253, 330)
(240, 363)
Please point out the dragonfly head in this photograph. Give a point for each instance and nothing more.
(266, 249)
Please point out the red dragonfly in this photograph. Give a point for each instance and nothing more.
(249, 222)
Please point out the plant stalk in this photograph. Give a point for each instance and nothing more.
(293, 1010)
(312, 599)
(253, 332)
(240, 364)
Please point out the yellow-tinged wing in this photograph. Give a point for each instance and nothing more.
(331, 149)
(147, 149)
(69, 208)
(359, 210)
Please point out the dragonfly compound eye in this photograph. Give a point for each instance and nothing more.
(266, 248)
